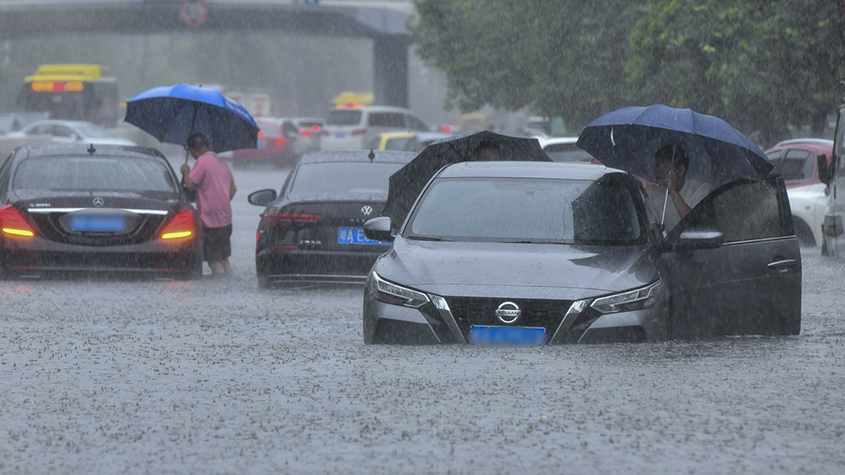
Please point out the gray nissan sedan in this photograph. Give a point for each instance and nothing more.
(524, 253)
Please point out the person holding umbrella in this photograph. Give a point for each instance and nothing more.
(676, 194)
(215, 186)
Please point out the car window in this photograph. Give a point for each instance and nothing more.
(387, 119)
(794, 165)
(93, 131)
(415, 123)
(41, 130)
(290, 129)
(61, 131)
(343, 177)
(528, 210)
(344, 117)
(566, 152)
(742, 211)
(398, 143)
(93, 173)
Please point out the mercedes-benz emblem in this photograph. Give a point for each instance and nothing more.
(367, 210)
(508, 312)
(98, 202)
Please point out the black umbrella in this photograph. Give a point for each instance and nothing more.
(407, 183)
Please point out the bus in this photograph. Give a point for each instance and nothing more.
(71, 92)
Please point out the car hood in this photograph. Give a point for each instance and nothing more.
(542, 271)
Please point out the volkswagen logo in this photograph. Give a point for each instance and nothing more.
(508, 312)
(98, 202)
(367, 210)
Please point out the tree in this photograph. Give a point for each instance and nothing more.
(558, 57)
(760, 65)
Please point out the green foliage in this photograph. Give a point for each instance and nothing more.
(762, 66)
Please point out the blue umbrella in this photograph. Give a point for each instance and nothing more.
(629, 137)
(172, 114)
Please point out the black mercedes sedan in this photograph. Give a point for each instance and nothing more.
(95, 209)
(519, 253)
(311, 232)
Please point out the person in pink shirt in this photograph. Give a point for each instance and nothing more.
(215, 187)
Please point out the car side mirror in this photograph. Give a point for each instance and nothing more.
(262, 197)
(695, 239)
(824, 173)
(379, 229)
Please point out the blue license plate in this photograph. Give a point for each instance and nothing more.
(99, 224)
(355, 236)
(340, 136)
(507, 336)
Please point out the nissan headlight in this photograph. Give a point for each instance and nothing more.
(637, 299)
(393, 294)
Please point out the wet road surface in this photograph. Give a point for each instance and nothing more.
(217, 376)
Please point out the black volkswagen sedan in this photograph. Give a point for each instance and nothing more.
(312, 231)
(89, 209)
(515, 253)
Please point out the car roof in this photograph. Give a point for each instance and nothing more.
(397, 134)
(555, 140)
(384, 156)
(519, 169)
(49, 150)
(60, 122)
(375, 109)
(825, 142)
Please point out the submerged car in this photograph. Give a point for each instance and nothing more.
(82, 209)
(516, 253)
(311, 232)
(71, 131)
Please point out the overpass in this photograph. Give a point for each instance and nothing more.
(382, 21)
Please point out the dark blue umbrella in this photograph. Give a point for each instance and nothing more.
(172, 114)
(407, 183)
(629, 137)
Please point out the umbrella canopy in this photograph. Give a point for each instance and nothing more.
(629, 137)
(407, 183)
(172, 114)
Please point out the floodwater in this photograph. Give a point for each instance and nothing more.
(217, 376)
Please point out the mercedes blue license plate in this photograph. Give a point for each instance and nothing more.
(355, 235)
(98, 223)
(507, 336)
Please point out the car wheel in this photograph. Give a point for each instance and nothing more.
(804, 234)
(194, 269)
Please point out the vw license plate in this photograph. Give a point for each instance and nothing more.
(101, 224)
(355, 235)
(507, 336)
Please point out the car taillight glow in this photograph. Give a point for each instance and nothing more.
(446, 129)
(180, 227)
(357, 132)
(315, 128)
(13, 224)
(280, 142)
(260, 133)
(292, 220)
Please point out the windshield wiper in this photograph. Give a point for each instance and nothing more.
(424, 238)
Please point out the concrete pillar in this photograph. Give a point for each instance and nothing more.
(390, 69)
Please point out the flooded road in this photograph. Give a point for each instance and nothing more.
(217, 376)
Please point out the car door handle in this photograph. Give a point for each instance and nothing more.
(783, 264)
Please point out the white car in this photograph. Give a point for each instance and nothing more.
(355, 128)
(563, 149)
(798, 161)
(71, 131)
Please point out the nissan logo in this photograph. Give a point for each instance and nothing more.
(508, 312)
(367, 210)
(98, 202)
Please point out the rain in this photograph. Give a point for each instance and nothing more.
(103, 373)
